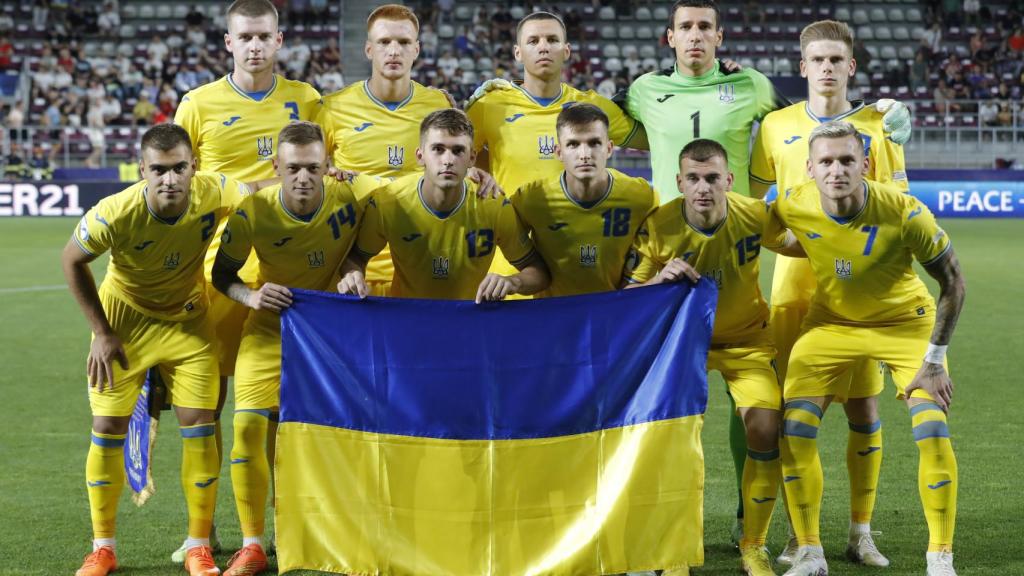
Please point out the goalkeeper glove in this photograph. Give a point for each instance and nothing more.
(896, 121)
(483, 89)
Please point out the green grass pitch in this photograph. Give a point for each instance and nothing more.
(45, 525)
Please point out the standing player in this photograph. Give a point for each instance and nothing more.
(583, 221)
(698, 98)
(150, 310)
(780, 157)
(717, 233)
(372, 127)
(233, 123)
(442, 235)
(861, 238)
(301, 231)
(515, 127)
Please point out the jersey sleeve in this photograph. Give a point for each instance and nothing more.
(323, 118)
(363, 186)
(769, 99)
(312, 102)
(187, 116)
(774, 231)
(762, 161)
(922, 234)
(478, 117)
(236, 241)
(513, 236)
(641, 264)
(630, 99)
(232, 192)
(94, 235)
(621, 128)
(371, 239)
(888, 164)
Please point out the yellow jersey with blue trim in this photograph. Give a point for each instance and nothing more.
(373, 137)
(156, 264)
(518, 130)
(728, 254)
(437, 255)
(864, 263)
(298, 251)
(584, 244)
(235, 132)
(781, 148)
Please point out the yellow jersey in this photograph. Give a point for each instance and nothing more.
(518, 131)
(373, 137)
(440, 255)
(728, 255)
(156, 265)
(235, 132)
(781, 148)
(584, 245)
(863, 264)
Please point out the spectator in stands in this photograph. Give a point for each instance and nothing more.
(607, 87)
(110, 109)
(1015, 43)
(96, 90)
(40, 13)
(447, 63)
(988, 112)
(6, 23)
(942, 95)
(932, 38)
(142, 113)
(861, 55)
(329, 57)
(6, 52)
(65, 60)
(319, 10)
(203, 74)
(72, 110)
(14, 121)
(632, 64)
(330, 80)
(131, 78)
(428, 42)
(296, 55)
(1005, 115)
(444, 11)
(194, 18)
(156, 51)
(39, 165)
(971, 12)
(95, 132)
(918, 70)
(52, 114)
(186, 78)
(109, 20)
(752, 11)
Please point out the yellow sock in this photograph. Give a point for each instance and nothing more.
(936, 474)
(104, 478)
(250, 470)
(864, 466)
(762, 472)
(801, 469)
(199, 472)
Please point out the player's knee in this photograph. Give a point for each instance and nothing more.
(110, 424)
(762, 426)
(193, 416)
(861, 411)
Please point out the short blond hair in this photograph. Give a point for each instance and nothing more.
(826, 30)
(392, 12)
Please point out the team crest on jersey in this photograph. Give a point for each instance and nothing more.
(844, 269)
(172, 260)
(546, 147)
(727, 93)
(264, 147)
(316, 258)
(440, 267)
(588, 255)
(396, 155)
(715, 275)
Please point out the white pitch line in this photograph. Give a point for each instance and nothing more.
(48, 288)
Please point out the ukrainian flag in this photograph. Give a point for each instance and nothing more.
(554, 436)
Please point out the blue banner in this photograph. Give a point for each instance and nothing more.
(137, 447)
(971, 199)
(520, 369)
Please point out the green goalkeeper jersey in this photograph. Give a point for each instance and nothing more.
(719, 105)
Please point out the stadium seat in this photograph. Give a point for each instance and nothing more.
(609, 32)
(906, 52)
(666, 63)
(865, 33)
(628, 50)
(649, 64)
(129, 11)
(517, 12)
(445, 32)
(913, 15)
(883, 32)
(127, 31)
(147, 11)
(485, 65)
(877, 15)
(626, 32)
(467, 64)
(643, 14)
(860, 16)
(901, 33)
(469, 77)
(737, 33)
(611, 50)
(843, 14)
(643, 33)
(180, 11)
(606, 13)
(764, 65)
(747, 63)
(917, 32)
(661, 14)
(789, 14)
(648, 51)
(164, 12)
(896, 15)
(463, 12)
(783, 67)
(613, 65)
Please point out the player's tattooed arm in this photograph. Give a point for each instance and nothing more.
(106, 346)
(353, 275)
(952, 291)
(270, 296)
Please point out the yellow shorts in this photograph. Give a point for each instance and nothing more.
(825, 352)
(183, 351)
(379, 288)
(865, 378)
(258, 370)
(227, 318)
(750, 374)
(793, 282)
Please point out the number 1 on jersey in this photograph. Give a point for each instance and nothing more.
(696, 124)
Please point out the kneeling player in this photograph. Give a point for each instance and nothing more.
(713, 232)
(861, 238)
(150, 310)
(442, 236)
(584, 220)
(301, 230)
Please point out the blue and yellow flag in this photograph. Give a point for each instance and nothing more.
(555, 436)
